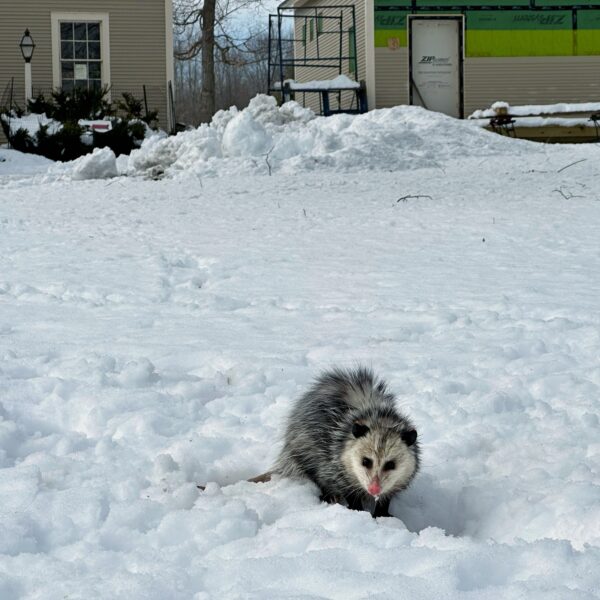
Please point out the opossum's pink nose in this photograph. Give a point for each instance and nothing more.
(374, 487)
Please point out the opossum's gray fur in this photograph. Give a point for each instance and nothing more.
(346, 419)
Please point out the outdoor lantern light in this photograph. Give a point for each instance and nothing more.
(27, 47)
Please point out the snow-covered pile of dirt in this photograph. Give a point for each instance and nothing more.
(267, 138)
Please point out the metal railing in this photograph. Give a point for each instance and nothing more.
(308, 38)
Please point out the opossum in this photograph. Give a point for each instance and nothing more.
(346, 435)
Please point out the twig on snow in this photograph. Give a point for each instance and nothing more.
(570, 165)
(569, 196)
(409, 196)
(113, 181)
(267, 159)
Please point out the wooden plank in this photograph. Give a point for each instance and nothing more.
(555, 133)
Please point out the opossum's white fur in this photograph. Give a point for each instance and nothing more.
(347, 436)
(381, 447)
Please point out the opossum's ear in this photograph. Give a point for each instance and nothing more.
(409, 437)
(359, 430)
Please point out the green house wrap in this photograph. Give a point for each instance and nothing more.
(552, 30)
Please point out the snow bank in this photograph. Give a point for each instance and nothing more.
(102, 163)
(14, 163)
(266, 138)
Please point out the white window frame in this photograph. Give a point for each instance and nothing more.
(57, 18)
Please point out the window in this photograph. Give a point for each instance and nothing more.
(320, 23)
(312, 30)
(80, 55)
(80, 50)
(304, 34)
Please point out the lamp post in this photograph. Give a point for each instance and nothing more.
(27, 47)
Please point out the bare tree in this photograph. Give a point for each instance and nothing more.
(245, 73)
(205, 28)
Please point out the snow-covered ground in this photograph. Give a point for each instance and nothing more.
(13, 165)
(153, 335)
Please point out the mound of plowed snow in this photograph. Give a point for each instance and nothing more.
(266, 138)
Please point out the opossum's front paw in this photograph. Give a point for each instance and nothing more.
(331, 499)
(354, 502)
(382, 510)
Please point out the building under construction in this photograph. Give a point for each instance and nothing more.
(449, 56)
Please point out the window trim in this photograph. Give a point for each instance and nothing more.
(56, 19)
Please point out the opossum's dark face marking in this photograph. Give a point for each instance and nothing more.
(409, 437)
(380, 460)
(359, 430)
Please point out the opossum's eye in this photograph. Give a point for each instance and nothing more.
(409, 437)
(359, 430)
(367, 462)
(390, 465)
